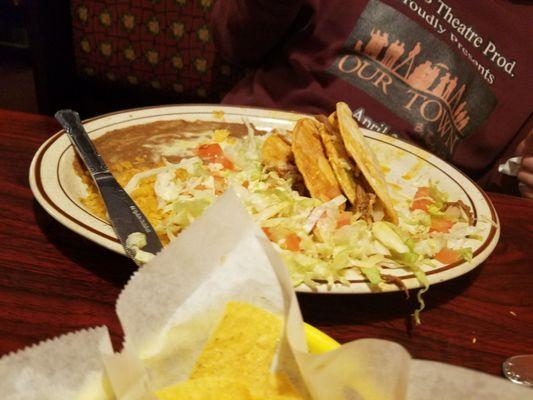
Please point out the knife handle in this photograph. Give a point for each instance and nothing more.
(70, 120)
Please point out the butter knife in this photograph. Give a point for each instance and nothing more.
(127, 219)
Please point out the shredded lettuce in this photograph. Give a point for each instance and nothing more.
(324, 250)
(438, 196)
(422, 278)
(466, 253)
(475, 237)
(435, 210)
(373, 275)
(388, 237)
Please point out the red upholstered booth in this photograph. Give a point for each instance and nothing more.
(111, 54)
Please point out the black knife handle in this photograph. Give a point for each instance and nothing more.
(70, 120)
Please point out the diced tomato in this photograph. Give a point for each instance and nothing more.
(448, 256)
(212, 153)
(292, 242)
(345, 218)
(226, 163)
(268, 233)
(440, 225)
(245, 184)
(421, 201)
(422, 192)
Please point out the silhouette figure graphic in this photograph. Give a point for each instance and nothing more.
(461, 124)
(439, 89)
(460, 117)
(423, 76)
(460, 108)
(416, 50)
(436, 79)
(449, 88)
(377, 42)
(393, 53)
(409, 60)
(412, 54)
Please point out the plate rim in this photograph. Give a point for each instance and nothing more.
(111, 242)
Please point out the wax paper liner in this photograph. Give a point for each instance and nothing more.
(66, 367)
(169, 308)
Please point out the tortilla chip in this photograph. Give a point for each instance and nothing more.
(242, 346)
(365, 158)
(218, 388)
(236, 360)
(311, 161)
(209, 388)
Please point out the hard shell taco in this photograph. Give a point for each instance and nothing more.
(365, 159)
(333, 157)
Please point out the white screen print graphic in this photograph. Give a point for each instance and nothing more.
(416, 75)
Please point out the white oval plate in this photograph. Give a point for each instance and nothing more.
(57, 188)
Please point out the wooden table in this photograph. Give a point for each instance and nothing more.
(53, 281)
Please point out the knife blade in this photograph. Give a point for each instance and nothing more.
(126, 218)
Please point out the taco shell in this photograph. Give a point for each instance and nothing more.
(358, 148)
(276, 153)
(312, 162)
(340, 161)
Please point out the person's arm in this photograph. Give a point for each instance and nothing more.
(244, 31)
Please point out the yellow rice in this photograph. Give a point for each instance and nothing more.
(144, 195)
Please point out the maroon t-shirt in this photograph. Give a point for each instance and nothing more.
(450, 75)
